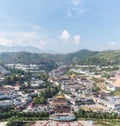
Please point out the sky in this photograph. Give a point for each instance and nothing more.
(61, 25)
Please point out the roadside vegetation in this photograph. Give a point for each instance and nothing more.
(103, 119)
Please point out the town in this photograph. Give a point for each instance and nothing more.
(60, 93)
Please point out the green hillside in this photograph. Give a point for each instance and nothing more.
(27, 57)
(80, 55)
(110, 57)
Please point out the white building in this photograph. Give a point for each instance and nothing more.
(6, 103)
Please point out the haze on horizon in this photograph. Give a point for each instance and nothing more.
(60, 25)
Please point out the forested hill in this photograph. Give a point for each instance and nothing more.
(29, 58)
(108, 57)
(82, 57)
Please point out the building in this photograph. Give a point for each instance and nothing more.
(60, 105)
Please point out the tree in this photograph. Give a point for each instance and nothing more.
(40, 100)
(11, 122)
(19, 78)
(43, 76)
(7, 80)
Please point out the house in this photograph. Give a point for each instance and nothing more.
(6, 103)
(111, 103)
(114, 86)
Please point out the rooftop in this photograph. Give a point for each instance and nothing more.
(59, 96)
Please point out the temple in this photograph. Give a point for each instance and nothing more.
(61, 109)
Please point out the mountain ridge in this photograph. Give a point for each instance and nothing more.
(24, 48)
(107, 57)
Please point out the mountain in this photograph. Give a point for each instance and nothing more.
(82, 54)
(24, 48)
(28, 57)
(103, 58)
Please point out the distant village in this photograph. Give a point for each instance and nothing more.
(88, 87)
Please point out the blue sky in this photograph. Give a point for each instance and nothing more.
(61, 25)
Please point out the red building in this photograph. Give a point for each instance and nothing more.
(60, 105)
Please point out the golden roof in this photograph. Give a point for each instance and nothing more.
(73, 76)
(59, 96)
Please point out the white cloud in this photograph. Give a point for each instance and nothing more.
(75, 9)
(76, 2)
(76, 39)
(65, 35)
(42, 44)
(73, 39)
(34, 39)
(5, 42)
(37, 39)
(112, 43)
